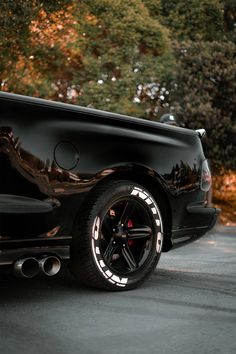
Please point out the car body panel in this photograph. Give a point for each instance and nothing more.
(58, 153)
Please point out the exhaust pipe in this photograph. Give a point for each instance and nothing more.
(50, 265)
(26, 267)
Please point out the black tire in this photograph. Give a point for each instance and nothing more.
(117, 238)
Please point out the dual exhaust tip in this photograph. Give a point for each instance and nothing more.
(31, 266)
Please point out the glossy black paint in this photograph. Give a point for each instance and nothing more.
(57, 153)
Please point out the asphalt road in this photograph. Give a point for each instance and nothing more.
(188, 306)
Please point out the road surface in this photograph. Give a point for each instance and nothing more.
(187, 306)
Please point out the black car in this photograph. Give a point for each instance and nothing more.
(106, 192)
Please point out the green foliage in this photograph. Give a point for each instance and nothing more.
(125, 48)
(16, 47)
(15, 18)
(206, 95)
(154, 8)
(203, 84)
(194, 19)
(109, 49)
(230, 18)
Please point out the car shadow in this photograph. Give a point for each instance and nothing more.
(14, 289)
(20, 289)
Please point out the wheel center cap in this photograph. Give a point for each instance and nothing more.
(120, 232)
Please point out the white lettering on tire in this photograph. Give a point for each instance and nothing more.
(156, 214)
(105, 271)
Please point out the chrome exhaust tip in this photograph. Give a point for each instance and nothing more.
(26, 267)
(50, 265)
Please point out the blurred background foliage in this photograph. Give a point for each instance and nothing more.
(138, 57)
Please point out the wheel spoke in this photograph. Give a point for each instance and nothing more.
(139, 232)
(127, 212)
(129, 258)
(108, 225)
(126, 237)
(110, 250)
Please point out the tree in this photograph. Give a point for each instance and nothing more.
(230, 19)
(202, 87)
(194, 19)
(206, 95)
(18, 44)
(93, 53)
(125, 47)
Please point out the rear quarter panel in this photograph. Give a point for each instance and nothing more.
(50, 150)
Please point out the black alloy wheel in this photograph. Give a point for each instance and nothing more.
(117, 240)
(126, 235)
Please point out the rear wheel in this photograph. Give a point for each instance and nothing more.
(117, 239)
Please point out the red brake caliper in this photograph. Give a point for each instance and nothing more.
(130, 224)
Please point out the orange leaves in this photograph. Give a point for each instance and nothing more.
(57, 28)
(92, 20)
(224, 196)
(225, 185)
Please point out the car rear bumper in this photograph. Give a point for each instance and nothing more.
(202, 218)
(206, 215)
